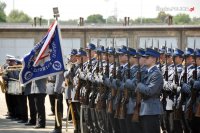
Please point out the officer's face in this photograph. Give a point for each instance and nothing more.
(111, 58)
(142, 61)
(11, 63)
(123, 58)
(178, 60)
(78, 58)
(162, 58)
(198, 61)
(73, 58)
(133, 60)
(103, 56)
(169, 59)
(150, 61)
(189, 60)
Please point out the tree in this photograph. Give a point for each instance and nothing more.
(182, 19)
(18, 17)
(111, 20)
(2, 12)
(96, 18)
(162, 16)
(145, 21)
(136, 21)
(151, 20)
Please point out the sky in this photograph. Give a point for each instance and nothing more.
(73, 9)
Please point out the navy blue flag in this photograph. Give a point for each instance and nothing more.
(45, 58)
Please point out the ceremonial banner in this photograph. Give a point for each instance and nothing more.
(45, 59)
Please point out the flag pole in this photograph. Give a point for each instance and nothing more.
(56, 15)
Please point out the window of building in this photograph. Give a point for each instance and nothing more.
(16, 47)
(193, 42)
(158, 42)
(109, 42)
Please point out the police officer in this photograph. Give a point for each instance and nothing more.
(50, 91)
(131, 84)
(22, 102)
(11, 99)
(100, 101)
(31, 103)
(88, 90)
(118, 84)
(186, 86)
(161, 65)
(81, 57)
(69, 76)
(196, 87)
(150, 90)
(85, 117)
(58, 89)
(177, 59)
(3, 67)
(168, 90)
(108, 76)
(92, 51)
(38, 89)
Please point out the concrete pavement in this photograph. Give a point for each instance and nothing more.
(8, 126)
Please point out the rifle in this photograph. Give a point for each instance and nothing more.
(94, 90)
(177, 113)
(80, 82)
(88, 83)
(113, 91)
(179, 108)
(118, 90)
(98, 62)
(189, 112)
(166, 78)
(101, 103)
(166, 69)
(101, 65)
(107, 64)
(135, 117)
(159, 58)
(176, 73)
